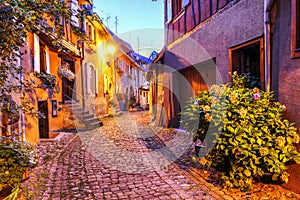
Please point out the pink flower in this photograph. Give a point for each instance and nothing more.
(256, 96)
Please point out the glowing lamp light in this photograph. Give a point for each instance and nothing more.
(111, 49)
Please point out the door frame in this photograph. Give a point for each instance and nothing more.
(45, 112)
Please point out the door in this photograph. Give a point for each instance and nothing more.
(43, 121)
(188, 82)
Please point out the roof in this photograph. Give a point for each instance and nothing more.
(141, 58)
(171, 59)
(123, 45)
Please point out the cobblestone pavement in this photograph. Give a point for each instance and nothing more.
(124, 159)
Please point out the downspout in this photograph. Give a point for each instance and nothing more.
(23, 128)
(267, 34)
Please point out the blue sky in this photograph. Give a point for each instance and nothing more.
(140, 22)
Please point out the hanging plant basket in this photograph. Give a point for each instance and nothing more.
(65, 72)
(11, 113)
(48, 80)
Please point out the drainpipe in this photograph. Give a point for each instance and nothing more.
(23, 128)
(267, 34)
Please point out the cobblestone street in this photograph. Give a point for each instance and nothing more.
(124, 159)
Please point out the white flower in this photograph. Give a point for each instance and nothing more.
(64, 71)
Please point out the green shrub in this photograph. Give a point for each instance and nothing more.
(15, 157)
(251, 137)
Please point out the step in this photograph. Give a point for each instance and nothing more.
(90, 120)
(80, 113)
(94, 125)
(89, 116)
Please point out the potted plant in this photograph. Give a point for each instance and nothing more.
(65, 72)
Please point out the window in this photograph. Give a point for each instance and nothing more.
(43, 64)
(89, 31)
(75, 10)
(91, 79)
(95, 36)
(295, 36)
(174, 8)
(169, 10)
(184, 3)
(248, 58)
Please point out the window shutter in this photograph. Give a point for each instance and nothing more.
(36, 52)
(47, 60)
(96, 81)
(87, 79)
(75, 10)
(93, 80)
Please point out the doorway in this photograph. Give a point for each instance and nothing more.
(68, 85)
(43, 121)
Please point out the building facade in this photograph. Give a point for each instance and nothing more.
(205, 41)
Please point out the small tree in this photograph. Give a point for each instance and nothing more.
(18, 17)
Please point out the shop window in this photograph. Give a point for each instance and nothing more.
(248, 59)
(295, 35)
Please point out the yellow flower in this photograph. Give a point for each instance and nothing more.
(194, 159)
(280, 142)
(206, 108)
(284, 178)
(255, 90)
(208, 117)
(296, 138)
(203, 161)
(233, 98)
(228, 184)
(248, 181)
(242, 113)
(277, 103)
(263, 151)
(283, 107)
(241, 183)
(247, 172)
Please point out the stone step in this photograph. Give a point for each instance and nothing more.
(84, 120)
(81, 113)
(94, 125)
(90, 120)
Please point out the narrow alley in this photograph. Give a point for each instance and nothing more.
(127, 159)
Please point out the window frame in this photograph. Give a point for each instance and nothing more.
(295, 29)
(259, 40)
(175, 9)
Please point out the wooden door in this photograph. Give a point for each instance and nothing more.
(43, 121)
